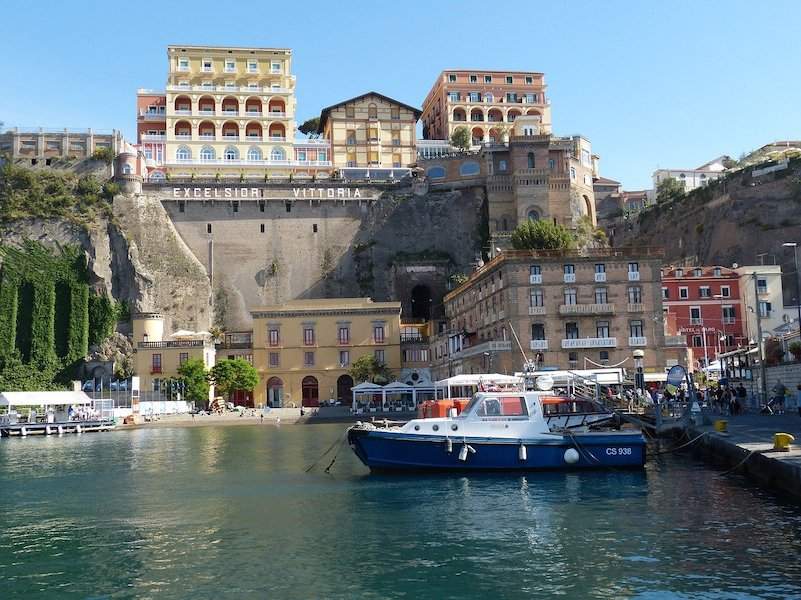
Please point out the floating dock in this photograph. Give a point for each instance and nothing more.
(60, 428)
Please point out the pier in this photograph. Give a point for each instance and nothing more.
(60, 428)
(747, 447)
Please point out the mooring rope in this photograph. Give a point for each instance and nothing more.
(331, 447)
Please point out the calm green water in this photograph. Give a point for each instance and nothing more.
(228, 512)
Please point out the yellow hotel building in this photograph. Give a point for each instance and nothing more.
(303, 349)
(229, 111)
(371, 130)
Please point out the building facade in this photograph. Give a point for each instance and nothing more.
(691, 179)
(371, 130)
(487, 103)
(42, 146)
(761, 289)
(158, 357)
(569, 309)
(707, 307)
(304, 349)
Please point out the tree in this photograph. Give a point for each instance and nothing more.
(367, 368)
(541, 235)
(233, 374)
(795, 350)
(669, 190)
(310, 127)
(460, 138)
(196, 383)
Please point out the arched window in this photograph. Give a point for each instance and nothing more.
(488, 98)
(533, 215)
(207, 153)
(127, 170)
(310, 391)
(469, 168)
(530, 160)
(278, 154)
(231, 153)
(156, 176)
(254, 154)
(436, 172)
(372, 111)
(183, 153)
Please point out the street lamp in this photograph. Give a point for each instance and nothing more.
(794, 246)
(639, 378)
(489, 361)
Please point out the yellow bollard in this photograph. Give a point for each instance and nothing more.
(721, 425)
(782, 441)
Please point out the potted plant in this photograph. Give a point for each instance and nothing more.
(795, 350)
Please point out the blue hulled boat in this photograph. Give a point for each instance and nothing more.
(503, 430)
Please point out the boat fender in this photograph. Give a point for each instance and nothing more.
(571, 456)
(464, 451)
(521, 452)
(449, 445)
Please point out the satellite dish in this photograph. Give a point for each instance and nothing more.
(544, 383)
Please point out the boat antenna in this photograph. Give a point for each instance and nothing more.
(526, 362)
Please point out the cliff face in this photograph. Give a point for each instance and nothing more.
(735, 221)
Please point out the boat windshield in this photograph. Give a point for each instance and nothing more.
(496, 406)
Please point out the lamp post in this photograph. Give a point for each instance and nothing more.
(639, 378)
(794, 246)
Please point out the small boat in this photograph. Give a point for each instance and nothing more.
(496, 430)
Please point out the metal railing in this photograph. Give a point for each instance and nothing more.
(173, 344)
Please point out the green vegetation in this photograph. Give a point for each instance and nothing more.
(542, 235)
(230, 375)
(367, 368)
(795, 350)
(669, 190)
(460, 138)
(310, 127)
(104, 154)
(195, 379)
(45, 315)
(40, 193)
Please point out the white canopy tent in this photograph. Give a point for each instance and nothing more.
(55, 405)
(396, 394)
(464, 386)
(367, 391)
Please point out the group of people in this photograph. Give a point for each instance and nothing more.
(725, 399)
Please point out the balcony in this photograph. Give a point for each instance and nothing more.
(635, 307)
(600, 277)
(675, 340)
(536, 310)
(152, 137)
(232, 88)
(183, 111)
(634, 275)
(253, 138)
(762, 291)
(249, 163)
(173, 344)
(150, 115)
(492, 347)
(729, 320)
(274, 114)
(638, 341)
(589, 343)
(155, 370)
(586, 309)
(570, 278)
(535, 279)
(538, 345)
(694, 321)
(276, 138)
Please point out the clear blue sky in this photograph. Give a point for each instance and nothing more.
(651, 84)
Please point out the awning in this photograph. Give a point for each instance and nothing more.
(43, 398)
(464, 380)
(397, 386)
(367, 386)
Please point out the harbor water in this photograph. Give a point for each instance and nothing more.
(229, 512)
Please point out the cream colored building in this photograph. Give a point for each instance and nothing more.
(371, 130)
(158, 357)
(761, 286)
(303, 349)
(229, 111)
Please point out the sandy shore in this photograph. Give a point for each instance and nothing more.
(224, 419)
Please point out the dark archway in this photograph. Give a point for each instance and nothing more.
(275, 392)
(344, 387)
(421, 302)
(310, 391)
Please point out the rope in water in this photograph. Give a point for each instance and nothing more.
(669, 450)
(331, 447)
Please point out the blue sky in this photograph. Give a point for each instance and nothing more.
(651, 84)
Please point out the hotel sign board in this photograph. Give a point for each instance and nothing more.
(261, 193)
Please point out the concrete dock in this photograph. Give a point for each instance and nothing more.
(753, 435)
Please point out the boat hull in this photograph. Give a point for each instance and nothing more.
(386, 450)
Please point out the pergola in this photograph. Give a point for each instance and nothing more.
(367, 390)
(399, 395)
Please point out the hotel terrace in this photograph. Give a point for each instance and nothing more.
(227, 112)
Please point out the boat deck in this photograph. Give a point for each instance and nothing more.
(57, 428)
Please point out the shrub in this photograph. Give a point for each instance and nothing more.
(541, 235)
(105, 154)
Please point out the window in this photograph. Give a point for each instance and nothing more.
(308, 336)
(634, 267)
(275, 68)
(454, 96)
(396, 138)
(372, 111)
(635, 294)
(208, 227)
(729, 314)
(603, 356)
(183, 64)
(155, 364)
(394, 113)
(529, 80)
(570, 269)
(473, 79)
(535, 270)
(725, 291)
(600, 268)
(378, 334)
(275, 359)
(344, 358)
(378, 355)
(183, 357)
(537, 331)
(343, 334)
(684, 293)
(536, 297)
(695, 315)
(716, 271)
(570, 296)
(602, 329)
(679, 272)
(350, 111)
(278, 154)
(509, 79)
(705, 291)
(253, 66)
(436, 172)
(254, 154)
(572, 172)
(274, 336)
(572, 358)
(183, 153)
(511, 97)
(451, 77)
(698, 341)
(765, 308)
(571, 330)
(475, 97)
(261, 227)
(697, 272)
(502, 166)
(635, 329)
(488, 97)
(207, 153)
(601, 296)
(665, 293)
(487, 78)
(350, 137)
(230, 65)
(762, 286)
(308, 359)
(207, 65)
(469, 168)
